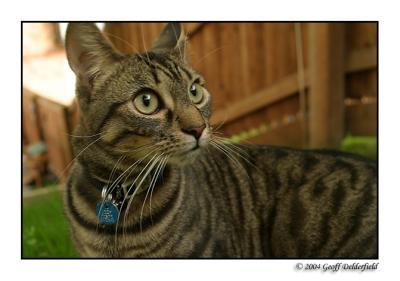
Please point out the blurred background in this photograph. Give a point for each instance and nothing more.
(305, 85)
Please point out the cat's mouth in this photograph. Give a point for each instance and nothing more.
(190, 151)
(197, 146)
(186, 156)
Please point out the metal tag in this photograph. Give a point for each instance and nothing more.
(107, 212)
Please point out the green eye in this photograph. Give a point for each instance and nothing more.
(146, 103)
(195, 93)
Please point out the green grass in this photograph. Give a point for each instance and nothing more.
(45, 231)
(365, 146)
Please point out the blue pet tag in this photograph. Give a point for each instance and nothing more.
(107, 212)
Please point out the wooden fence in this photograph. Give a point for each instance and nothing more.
(297, 84)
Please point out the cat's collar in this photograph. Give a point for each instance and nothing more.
(120, 193)
(115, 195)
(118, 190)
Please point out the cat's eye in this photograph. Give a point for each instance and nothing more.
(146, 103)
(195, 93)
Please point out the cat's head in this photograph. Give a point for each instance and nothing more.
(140, 103)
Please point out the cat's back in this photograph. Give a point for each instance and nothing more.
(302, 203)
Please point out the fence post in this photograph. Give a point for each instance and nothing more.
(327, 84)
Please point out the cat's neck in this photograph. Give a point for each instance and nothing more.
(159, 187)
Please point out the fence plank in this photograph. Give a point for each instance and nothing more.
(193, 27)
(273, 118)
(30, 121)
(360, 35)
(361, 84)
(278, 91)
(361, 119)
(289, 135)
(54, 125)
(361, 59)
(327, 84)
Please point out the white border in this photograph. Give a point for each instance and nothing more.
(389, 103)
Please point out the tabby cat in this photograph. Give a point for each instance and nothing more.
(151, 179)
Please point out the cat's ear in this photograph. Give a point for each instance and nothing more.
(171, 40)
(88, 51)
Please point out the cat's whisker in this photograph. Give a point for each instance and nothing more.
(143, 146)
(218, 146)
(229, 147)
(234, 150)
(122, 40)
(242, 141)
(132, 167)
(126, 195)
(233, 146)
(153, 180)
(119, 178)
(137, 149)
(226, 141)
(232, 157)
(217, 133)
(179, 49)
(208, 54)
(115, 168)
(109, 179)
(219, 125)
(141, 182)
(76, 136)
(147, 193)
(144, 45)
(164, 163)
(240, 165)
(218, 138)
(152, 151)
(115, 183)
(139, 160)
(133, 195)
(239, 152)
(185, 42)
(153, 162)
(83, 150)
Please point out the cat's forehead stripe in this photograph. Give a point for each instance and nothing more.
(165, 64)
(154, 68)
(187, 72)
(170, 68)
(163, 71)
(153, 72)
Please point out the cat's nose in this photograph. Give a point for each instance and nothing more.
(195, 131)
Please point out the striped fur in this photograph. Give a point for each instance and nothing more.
(257, 201)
